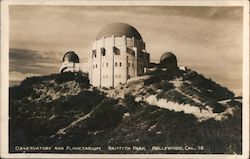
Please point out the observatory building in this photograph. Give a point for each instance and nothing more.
(168, 61)
(70, 63)
(118, 54)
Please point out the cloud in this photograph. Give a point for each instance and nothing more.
(25, 63)
(16, 77)
(208, 39)
(30, 61)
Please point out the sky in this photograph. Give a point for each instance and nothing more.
(205, 39)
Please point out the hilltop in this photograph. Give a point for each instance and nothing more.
(181, 108)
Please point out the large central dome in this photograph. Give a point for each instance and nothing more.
(118, 30)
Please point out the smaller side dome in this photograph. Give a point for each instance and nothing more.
(71, 56)
(168, 60)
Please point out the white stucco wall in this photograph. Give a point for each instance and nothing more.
(116, 66)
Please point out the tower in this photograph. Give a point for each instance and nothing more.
(118, 53)
(168, 61)
(70, 62)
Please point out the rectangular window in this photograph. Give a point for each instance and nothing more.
(128, 64)
(130, 51)
(115, 64)
(93, 53)
(120, 64)
(107, 64)
(103, 52)
(116, 51)
(133, 65)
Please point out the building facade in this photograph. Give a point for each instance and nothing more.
(118, 53)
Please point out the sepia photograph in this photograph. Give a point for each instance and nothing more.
(122, 78)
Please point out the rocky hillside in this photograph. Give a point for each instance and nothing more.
(165, 112)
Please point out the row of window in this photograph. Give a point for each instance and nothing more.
(106, 76)
(107, 64)
(94, 66)
(118, 76)
(103, 52)
(119, 65)
(133, 65)
(116, 64)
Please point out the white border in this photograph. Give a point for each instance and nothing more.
(5, 74)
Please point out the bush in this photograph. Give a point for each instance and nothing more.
(160, 75)
(130, 103)
(208, 87)
(106, 114)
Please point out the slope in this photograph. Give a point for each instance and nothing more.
(164, 109)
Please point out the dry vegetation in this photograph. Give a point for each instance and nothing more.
(63, 109)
